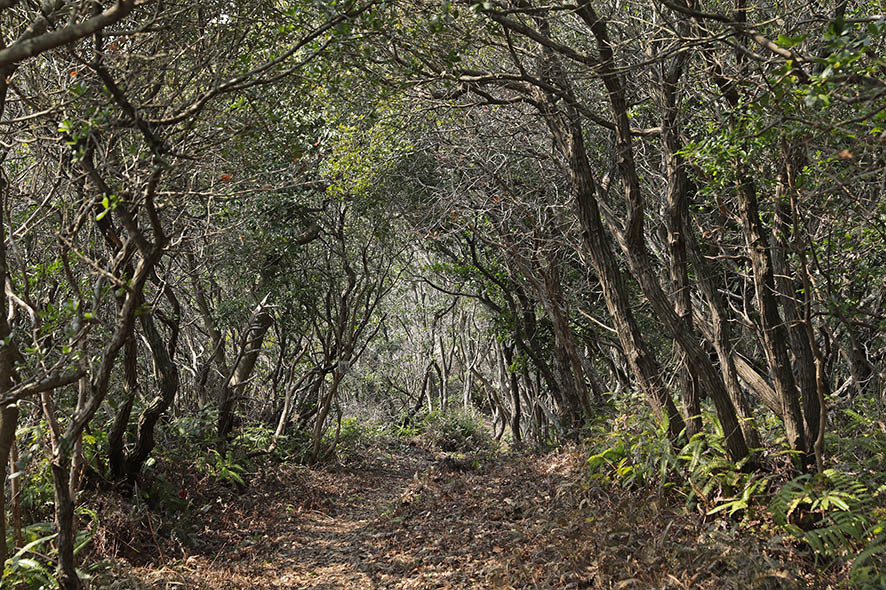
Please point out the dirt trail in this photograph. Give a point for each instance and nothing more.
(342, 545)
(413, 519)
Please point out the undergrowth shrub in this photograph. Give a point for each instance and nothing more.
(33, 470)
(223, 468)
(455, 431)
(838, 514)
(32, 566)
(641, 456)
(352, 438)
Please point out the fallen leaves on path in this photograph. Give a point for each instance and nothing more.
(413, 520)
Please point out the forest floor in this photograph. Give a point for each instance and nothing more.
(405, 517)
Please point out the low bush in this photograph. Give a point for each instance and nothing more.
(455, 432)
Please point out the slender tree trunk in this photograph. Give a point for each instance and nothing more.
(206, 383)
(166, 374)
(8, 424)
(444, 373)
(720, 335)
(697, 360)
(288, 402)
(117, 435)
(797, 296)
(559, 313)
(775, 335)
(643, 365)
(15, 490)
(676, 221)
(64, 520)
(322, 412)
(250, 348)
(513, 385)
(8, 414)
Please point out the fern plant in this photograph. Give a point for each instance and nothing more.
(32, 565)
(869, 566)
(834, 514)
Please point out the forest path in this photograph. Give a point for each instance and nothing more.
(408, 518)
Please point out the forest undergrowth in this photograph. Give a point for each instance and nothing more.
(442, 505)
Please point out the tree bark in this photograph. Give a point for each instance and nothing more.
(676, 221)
(117, 435)
(775, 336)
(163, 355)
(8, 424)
(8, 353)
(638, 259)
(720, 335)
(795, 294)
(250, 348)
(639, 358)
(64, 520)
(507, 352)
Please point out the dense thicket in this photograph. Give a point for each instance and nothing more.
(226, 226)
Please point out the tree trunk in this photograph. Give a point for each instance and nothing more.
(8, 414)
(635, 247)
(507, 360)
(574, 373)
(64, 519)
(775, 336)
(720, 335)
(15, 491)
(757, 245)
(8, 424)
(167, 381)
(643, 365)
(676, 221)
(250, 348)
(810, 365)
(568, 135)
(117, 435)
(323, 411)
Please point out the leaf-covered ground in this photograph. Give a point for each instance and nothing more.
(410, 518)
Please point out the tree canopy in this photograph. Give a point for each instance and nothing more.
(227, 228)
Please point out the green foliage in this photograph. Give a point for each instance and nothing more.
(32, 565)
(352, 437)
(837, 515)
(195, 429)
(637, 453)
(631, 453)
(362, 158)
(224, 468)
(355, 434)
(254, 437)
(33, 468)
(455, 431)
(407, 430)
(857, 441)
